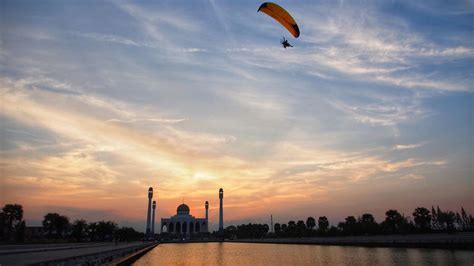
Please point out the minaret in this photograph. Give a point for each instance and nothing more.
(221, 214)
(153, 221)
(150, 195)
(207, 216)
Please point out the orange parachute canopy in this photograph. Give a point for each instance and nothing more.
(282, 16)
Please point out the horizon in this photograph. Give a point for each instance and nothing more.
(372, 109)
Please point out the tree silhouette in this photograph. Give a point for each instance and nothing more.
(284, 228)
(394, 221)
(11, 216)
(129, 234)
(55, 223)
(349, 226)
(310, 223)
(422, 218)
(277, 228)
(105, 230)
(368, 224)
(323, 224)
(291, 228)
(435, 221)
(465, 220)
(92, 231)
(79, 228)
(300, 227)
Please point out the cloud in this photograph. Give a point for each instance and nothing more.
(407, 146)
(111, 38)
(413, 177)
(113, 155)
(383, 112)
(154, 120)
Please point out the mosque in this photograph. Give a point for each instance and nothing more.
(183, 224)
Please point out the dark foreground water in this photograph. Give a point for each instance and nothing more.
(282, 254)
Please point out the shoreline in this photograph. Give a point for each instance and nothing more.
(462, 241)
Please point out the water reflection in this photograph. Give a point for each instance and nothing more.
(280, 254)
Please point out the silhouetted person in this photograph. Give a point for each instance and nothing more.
(285, 43)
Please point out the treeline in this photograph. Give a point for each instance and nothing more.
(56, 227)
(424, 221)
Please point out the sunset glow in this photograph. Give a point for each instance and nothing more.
(372, 109)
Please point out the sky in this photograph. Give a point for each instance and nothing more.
(372, 109)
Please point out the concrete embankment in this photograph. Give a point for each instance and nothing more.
(461, 241)
(70, 254)
(20, 248)
(131, 258)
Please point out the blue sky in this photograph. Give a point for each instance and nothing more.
(372, 108)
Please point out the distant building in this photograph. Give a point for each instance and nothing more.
(183, 225)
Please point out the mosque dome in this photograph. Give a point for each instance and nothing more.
(183, 209)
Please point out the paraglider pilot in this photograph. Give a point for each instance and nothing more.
(285, 43)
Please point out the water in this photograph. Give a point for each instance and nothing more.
(282, 254)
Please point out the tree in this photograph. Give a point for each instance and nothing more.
(129, 234)
(20, 232)
(310, 223)
(55, 224)
(368, 224)
(393, 221)
(3, 226)
(323, 224)
(277, 228)
(250, 230)
(92, 231)
(441, 218)
(445, 219)
(471, 222)
(12, 216)
(79, 228)
(422, 219)
(230, 231)
(450, 218)
(105, 230)
(265, 228)
(459, 224)
(300, 227)
(284, 228)
(291, 228)
(465, 220)
(435, 221)
(349, 226)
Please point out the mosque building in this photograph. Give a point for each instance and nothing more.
(184, 224)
